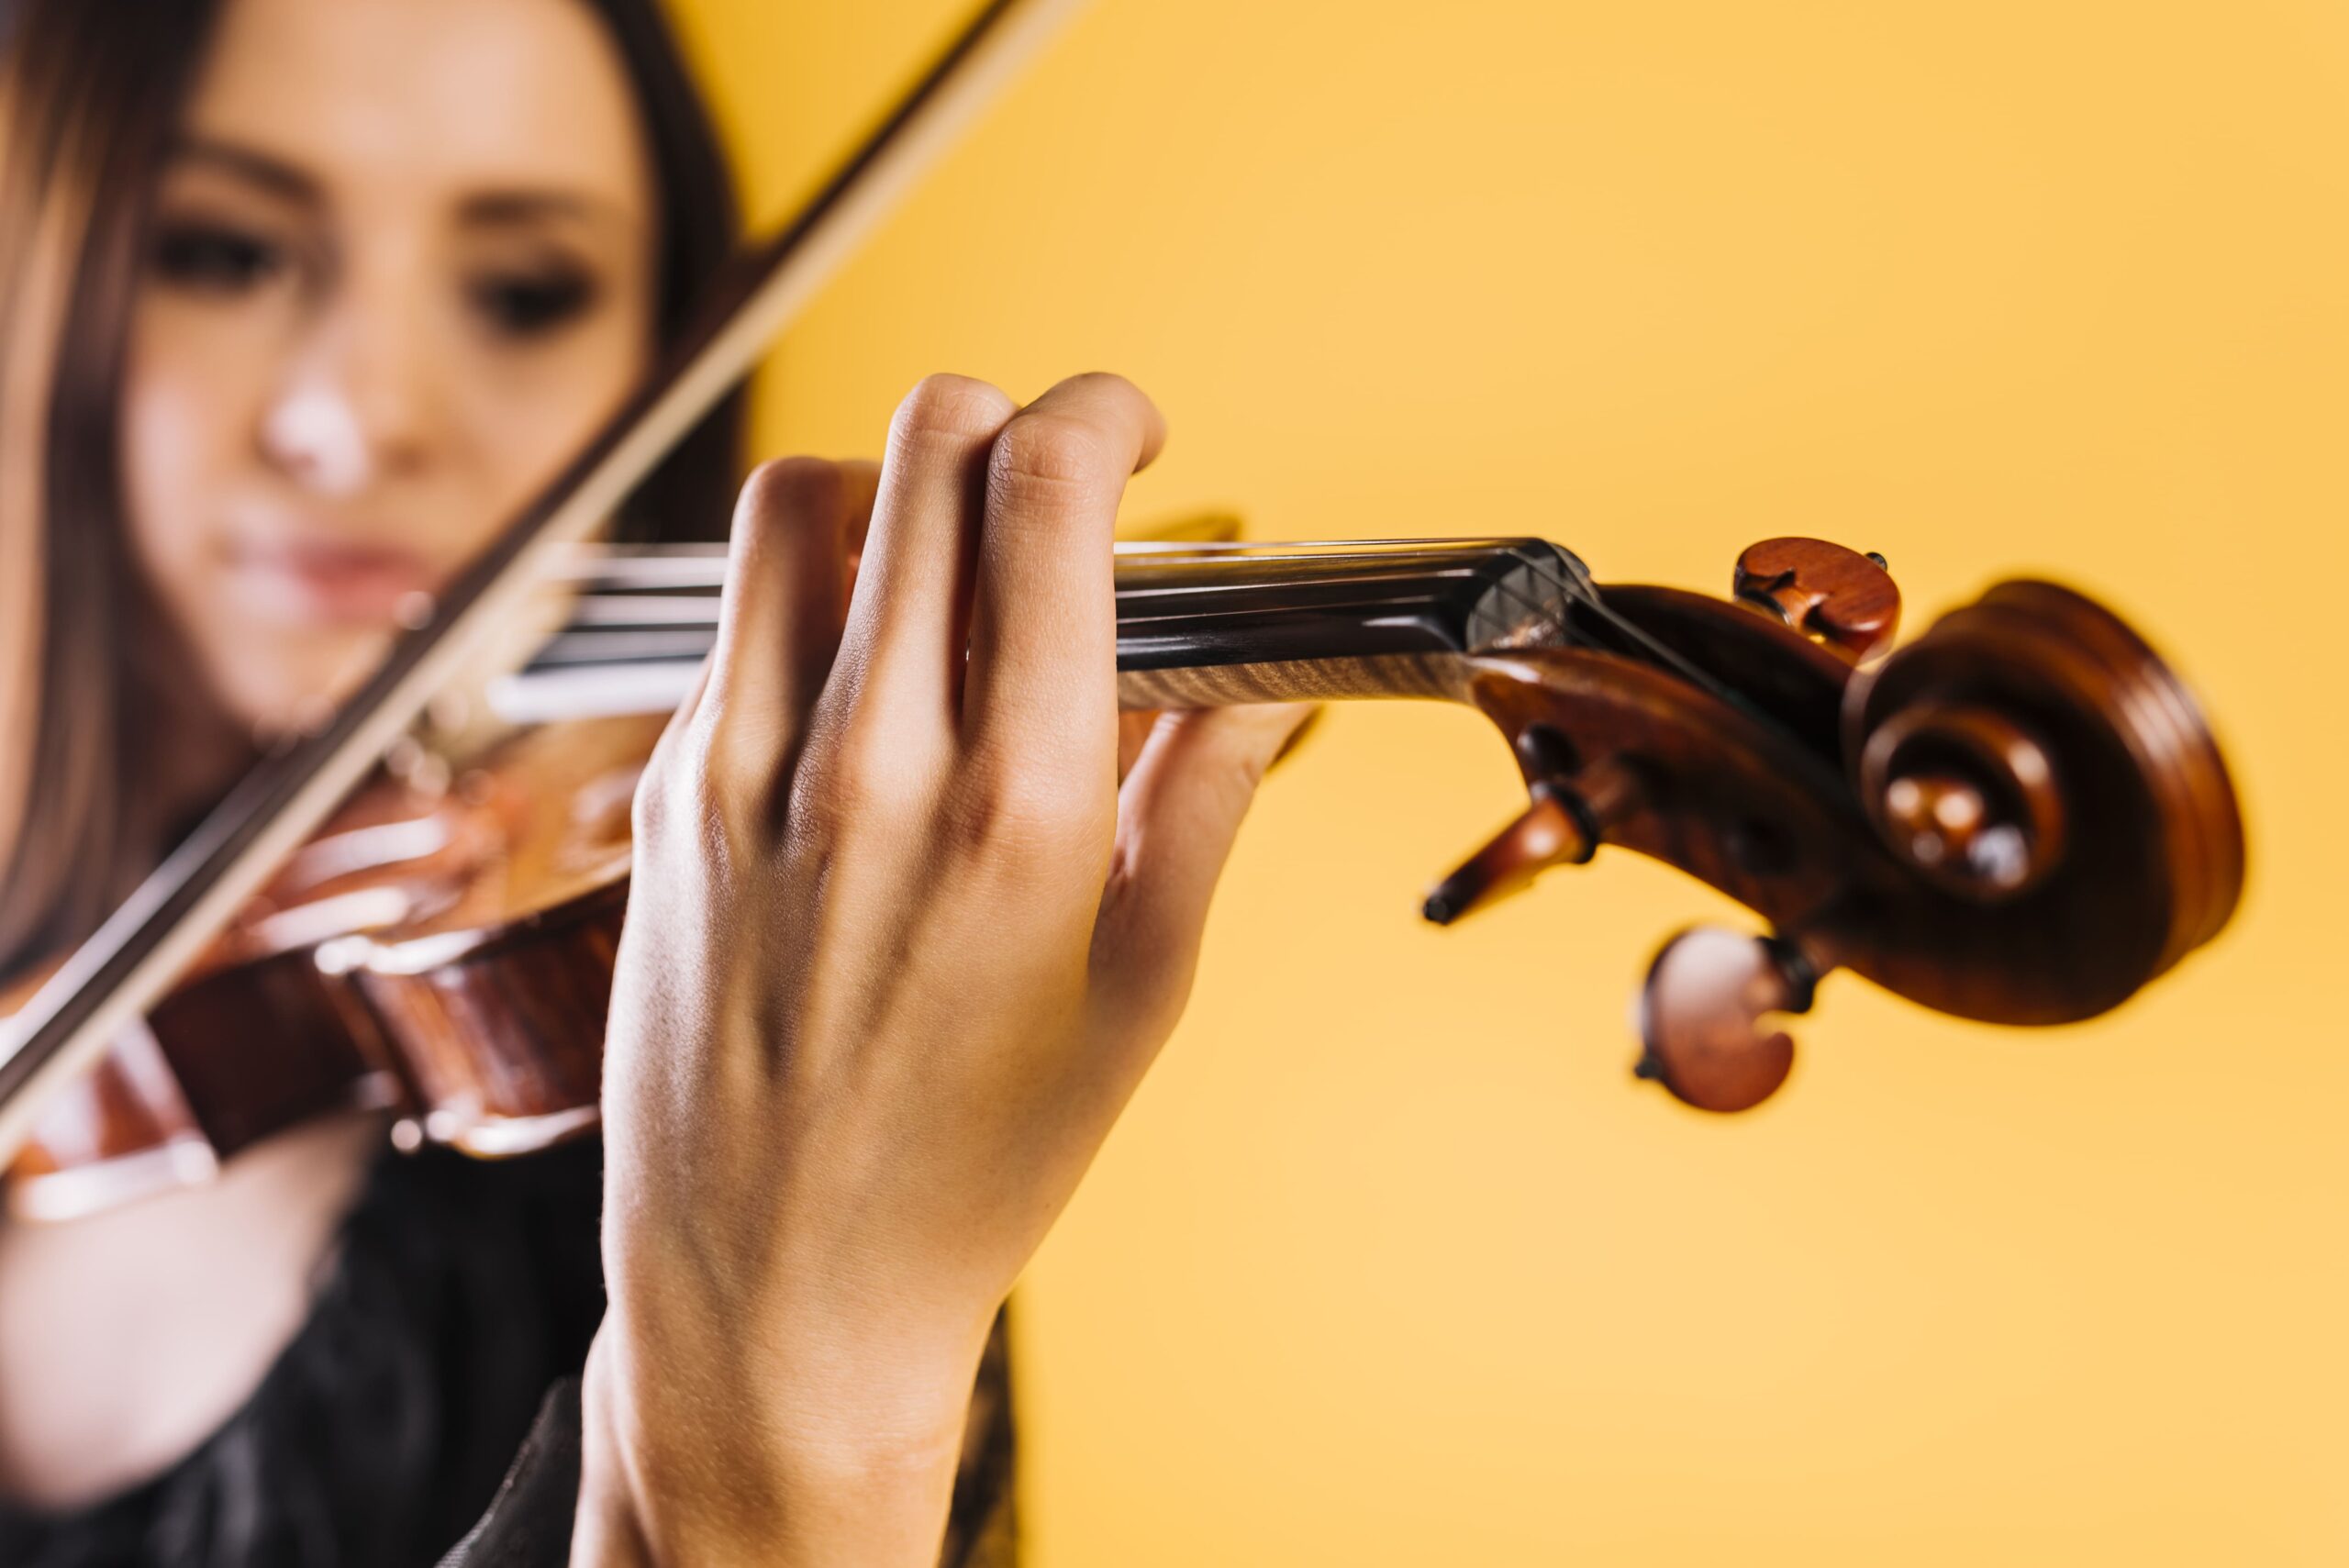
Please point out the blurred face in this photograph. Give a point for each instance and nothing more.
(402, 265)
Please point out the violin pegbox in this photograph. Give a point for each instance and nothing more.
(1700, 1015)
(1620, 749)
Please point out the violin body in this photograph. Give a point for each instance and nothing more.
(2019, 818)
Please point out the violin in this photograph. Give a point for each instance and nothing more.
(2020, 816)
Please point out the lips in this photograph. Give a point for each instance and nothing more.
(330, 581)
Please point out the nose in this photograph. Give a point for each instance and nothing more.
(354, 406)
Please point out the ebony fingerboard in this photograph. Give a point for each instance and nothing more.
(1185, 606)
(1198, 625)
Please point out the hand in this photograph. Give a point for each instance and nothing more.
(899, 949)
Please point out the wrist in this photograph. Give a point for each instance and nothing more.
(854, 1466)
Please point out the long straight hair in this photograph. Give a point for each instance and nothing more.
(90, 99)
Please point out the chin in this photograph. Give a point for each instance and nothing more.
(272, 685)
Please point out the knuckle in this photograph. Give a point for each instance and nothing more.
(1017, 812)
(1050, 453)
(1229, 750)
(708, 794)
(952, 409)
(782, 489)
(736, 767)
(669, 798)
(858, 783)
(650, 809)
(1108, 382)
(1244, 763)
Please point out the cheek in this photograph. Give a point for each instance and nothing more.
(529, 420)
(186, 429)
(187, 411)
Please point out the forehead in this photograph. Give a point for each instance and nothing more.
(418, 97)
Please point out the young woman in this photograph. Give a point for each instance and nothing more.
(299, 299)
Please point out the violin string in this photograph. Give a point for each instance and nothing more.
(1566, 589)
(710, 582)
(673, 608)
(154, 935)
(702, 566)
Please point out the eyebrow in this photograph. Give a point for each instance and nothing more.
(486, 209)
(491, 210)
(279, 178)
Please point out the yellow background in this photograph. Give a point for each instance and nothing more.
(1391, 1262)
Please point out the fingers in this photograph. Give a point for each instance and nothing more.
(1043, 669)
(1135, 727)
(1177, 817)
(780, 615)
(863, 481)
(902, 650)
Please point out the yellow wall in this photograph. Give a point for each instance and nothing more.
(1391, 1263)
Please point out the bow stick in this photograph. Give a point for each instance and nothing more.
(130, 962)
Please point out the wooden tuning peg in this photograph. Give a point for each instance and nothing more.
(1700, 1015)
(1564, 825)
(1837, 597)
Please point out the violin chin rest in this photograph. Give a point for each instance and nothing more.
(1700, 1017)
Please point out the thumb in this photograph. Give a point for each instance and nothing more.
(1178, 812)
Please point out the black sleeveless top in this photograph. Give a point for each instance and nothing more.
(460, 1293)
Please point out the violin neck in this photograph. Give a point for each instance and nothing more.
(1198, 625)
(1203, 626)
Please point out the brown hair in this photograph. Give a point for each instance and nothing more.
(89, 97)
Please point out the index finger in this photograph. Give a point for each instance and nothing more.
(1043, 669)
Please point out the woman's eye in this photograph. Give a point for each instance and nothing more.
(215, 259)
(522, 305)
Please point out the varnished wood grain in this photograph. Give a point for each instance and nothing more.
(1439, 676)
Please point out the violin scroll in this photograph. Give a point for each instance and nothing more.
(2040, 766)
(1966, 795)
